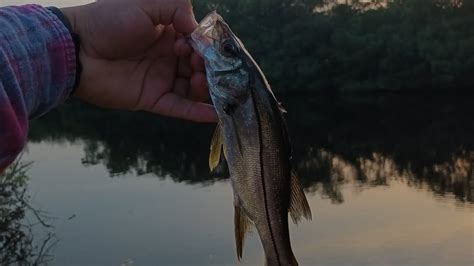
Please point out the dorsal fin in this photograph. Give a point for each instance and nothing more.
(299, 206)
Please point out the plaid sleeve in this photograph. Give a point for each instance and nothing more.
(37, 72)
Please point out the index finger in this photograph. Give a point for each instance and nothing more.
(177, 12)
(173, 105)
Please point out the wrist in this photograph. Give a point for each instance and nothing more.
(71, 14)
(68, 17)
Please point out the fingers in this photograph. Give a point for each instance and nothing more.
(184, 67)
(165, 45)
(182, 47)
(181, 87)
(173, 105)
(194, 89)
(184, 20)
(198, 90)
(197, 63)
(177, 12)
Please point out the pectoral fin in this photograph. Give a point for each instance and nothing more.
(299, 206)
(216, 147)
(242, 225)
(281, 108)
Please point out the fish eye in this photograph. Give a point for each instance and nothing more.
(228, 48)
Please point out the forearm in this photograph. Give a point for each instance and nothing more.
(37, 72)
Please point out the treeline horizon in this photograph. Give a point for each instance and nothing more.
(393, 46)
(429, 137)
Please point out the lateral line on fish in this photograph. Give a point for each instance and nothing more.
(262, 175)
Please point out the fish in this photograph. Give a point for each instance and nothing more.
(252, 135)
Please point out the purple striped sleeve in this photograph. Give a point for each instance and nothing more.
(37, 71)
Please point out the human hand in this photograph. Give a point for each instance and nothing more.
(134, 58)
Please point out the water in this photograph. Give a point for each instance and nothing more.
(389, 180)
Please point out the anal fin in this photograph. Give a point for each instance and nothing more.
(242, 225)
(299, 206)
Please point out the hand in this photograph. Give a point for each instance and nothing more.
(134, 57)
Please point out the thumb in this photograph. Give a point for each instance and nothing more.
(179, 13)
(184, 20)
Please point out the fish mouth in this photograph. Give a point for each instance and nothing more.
(205, 34)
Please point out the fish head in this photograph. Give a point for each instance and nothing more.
(225, 59)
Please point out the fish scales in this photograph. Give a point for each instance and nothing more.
(252, 135)
(275, 174)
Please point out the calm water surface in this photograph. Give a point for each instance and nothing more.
(389, 181)
(156, 221)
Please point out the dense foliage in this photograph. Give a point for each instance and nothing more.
(394, 45)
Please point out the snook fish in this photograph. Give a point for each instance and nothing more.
(252, 133)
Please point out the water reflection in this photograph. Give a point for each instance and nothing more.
(452, 177)
(371, 141)
(18, 218)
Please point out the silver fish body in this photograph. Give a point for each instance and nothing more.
(252, 134)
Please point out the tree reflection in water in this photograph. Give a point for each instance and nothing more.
(18, 219)
(425, 142)
(330, 171)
